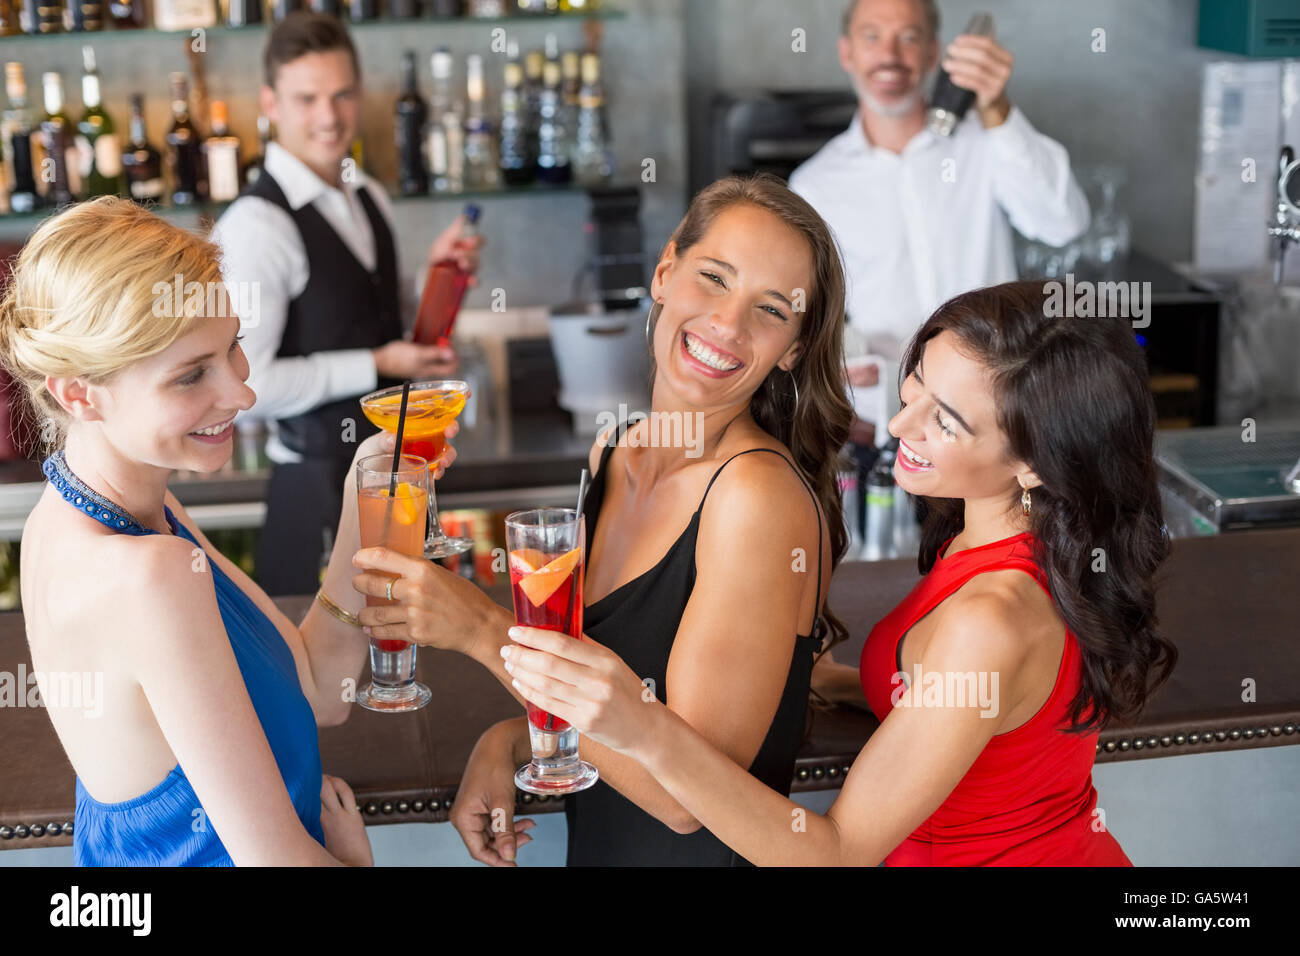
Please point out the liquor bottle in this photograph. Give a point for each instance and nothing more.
(182, 14)
(481, 170)
(591, 153)
(243, 13)
(282, 8)
(446, 9)
(442, 120)
(222, 151)
(98, 148)
(183, 147)
(18, 130)
(851, 501)
(534, 63)
(46, 16)
(412, 114)
(571, 69)
(126, 14)
(141, 162)
(518, 164)
(444, 289)
(87, 15)
(553, 148)
(254, 167)
(579, 6)
(487, 9)
(360, 11)
(59, 167)
(9, 23)
(330, 8)
(879, 535)
(404, 9)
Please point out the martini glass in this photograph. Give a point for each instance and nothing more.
(431, 407)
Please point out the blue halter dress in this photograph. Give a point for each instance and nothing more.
(167, 825)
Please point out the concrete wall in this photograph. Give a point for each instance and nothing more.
(1136, 104)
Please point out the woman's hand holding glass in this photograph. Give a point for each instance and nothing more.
(383, 443)
(434, 606)
(584, 683)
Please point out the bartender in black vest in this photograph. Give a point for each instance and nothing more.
(314, 234)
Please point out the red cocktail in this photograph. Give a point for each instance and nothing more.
(546, 563)
(548, 594)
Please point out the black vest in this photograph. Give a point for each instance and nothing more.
(344, 306)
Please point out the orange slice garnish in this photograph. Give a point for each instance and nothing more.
(526, 560)
(405, 506)
(546, 580)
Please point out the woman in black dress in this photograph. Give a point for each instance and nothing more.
(713, 528)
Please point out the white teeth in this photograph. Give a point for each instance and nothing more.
(214, 430)
(913, 457)
(702, 353)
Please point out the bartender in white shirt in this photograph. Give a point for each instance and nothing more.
(316, 237)
(922, 217)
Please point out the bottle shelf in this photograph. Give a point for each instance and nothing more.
(214, 210)
(112, 35)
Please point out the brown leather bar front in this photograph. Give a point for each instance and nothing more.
(1229, 602)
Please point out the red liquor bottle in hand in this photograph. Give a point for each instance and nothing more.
(444, 289)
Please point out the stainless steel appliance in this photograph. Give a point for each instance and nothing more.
(1231, 482)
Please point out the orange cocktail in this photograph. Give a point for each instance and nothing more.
(392, 508)
(431, 407)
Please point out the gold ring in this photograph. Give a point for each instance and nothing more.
(389, 589)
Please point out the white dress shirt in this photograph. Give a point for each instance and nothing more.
(261, 243)
(918, 227)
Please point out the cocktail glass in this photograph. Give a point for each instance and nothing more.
(430, 408)
(547, 548)
(393, 506)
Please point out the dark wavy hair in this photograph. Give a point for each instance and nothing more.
(817, 426)
(1073, 402)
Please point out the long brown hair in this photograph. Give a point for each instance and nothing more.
(817, 426)
(1073, 401)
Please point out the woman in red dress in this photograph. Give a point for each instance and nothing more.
(1030, 438)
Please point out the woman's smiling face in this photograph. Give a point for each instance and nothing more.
(733, 306)
(950, 445)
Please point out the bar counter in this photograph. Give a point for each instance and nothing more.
(1221, 599)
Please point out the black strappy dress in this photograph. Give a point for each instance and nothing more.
(639, 622)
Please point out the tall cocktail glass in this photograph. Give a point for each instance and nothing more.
(393, 507)
(547, 548)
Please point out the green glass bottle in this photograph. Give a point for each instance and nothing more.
(98, 147)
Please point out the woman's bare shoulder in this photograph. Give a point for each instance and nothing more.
(89, 579)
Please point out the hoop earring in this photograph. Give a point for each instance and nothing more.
(649, 346)
(794, 382)
(1025, 501)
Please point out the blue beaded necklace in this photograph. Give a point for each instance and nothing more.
(78, 494)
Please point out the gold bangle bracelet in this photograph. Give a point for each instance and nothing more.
(336, 611)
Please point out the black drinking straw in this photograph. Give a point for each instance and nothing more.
(397, 459)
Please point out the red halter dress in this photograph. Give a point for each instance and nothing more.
(1028, 799)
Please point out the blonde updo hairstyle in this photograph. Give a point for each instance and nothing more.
(82, 300)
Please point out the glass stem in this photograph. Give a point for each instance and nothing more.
(436, 533)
